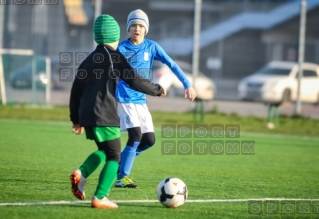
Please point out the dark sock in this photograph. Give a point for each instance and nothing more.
(139, 151)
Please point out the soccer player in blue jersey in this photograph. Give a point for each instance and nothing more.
(134, 115)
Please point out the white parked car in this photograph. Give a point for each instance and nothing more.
(162, 75)
(277, 82)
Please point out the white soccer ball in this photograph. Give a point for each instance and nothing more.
(172, 192)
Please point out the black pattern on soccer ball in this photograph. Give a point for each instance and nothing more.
(165, 196)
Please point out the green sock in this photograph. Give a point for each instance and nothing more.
(92, 163)
(269, 114)
(106, 179)
(276, 116)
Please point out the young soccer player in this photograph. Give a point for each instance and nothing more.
(93, 108)
(135, 117)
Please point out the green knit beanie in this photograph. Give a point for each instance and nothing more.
(106, 29)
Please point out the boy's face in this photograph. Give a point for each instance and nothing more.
(137, 32)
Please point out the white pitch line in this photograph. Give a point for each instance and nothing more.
(154, 201)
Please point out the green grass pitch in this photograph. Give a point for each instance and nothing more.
(37, 158)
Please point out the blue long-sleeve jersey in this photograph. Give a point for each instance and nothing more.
(141, 58)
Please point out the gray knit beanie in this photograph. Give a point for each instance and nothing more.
(137, 17)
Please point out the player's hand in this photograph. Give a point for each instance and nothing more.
(190, 93)
(77, 129)
(164, 93)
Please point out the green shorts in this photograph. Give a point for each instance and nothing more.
(102, 133)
